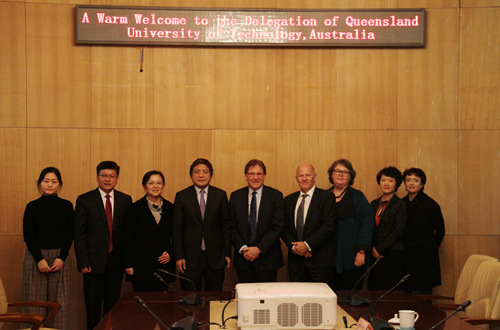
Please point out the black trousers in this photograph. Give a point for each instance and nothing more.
(145, 286)
(101, 291)
(388, 272)
(312, 274)
(253, 274)
(347, 279)
(212, 278)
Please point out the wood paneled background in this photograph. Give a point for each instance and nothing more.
(71, 106)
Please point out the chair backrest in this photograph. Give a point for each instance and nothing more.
(3, 300)
(484, 290)
(467, 275)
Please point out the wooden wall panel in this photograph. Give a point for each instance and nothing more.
(185, 3)
(58, 76)
(122, 96)
(448, 260)
(132, 150)
(480, 68)
(234, 148)
(307, 88)
(366, 89)
(328, 4)
(13, 82)
(245, 88)
(439, 161)
(477, 244)
(13, 187)
(66, 149)
(479, 3)
(175, 151)
(479, 161)
(295, 147)
(427, 77)
(58, 1)
(369, 151)
(124, 2)
(184, 87)
(12, 255)
(429, 3)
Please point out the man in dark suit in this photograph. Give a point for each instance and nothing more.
(257, 216)
(202, 230)
(309, 227)
(99, 249)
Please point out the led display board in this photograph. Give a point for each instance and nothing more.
(161, 26)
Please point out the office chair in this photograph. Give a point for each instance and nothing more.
(37, 321)
(463, 285)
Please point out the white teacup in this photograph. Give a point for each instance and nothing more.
(407, 319)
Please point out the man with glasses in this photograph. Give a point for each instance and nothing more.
(99, 216)
(257, 216)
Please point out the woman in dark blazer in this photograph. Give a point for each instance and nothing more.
(390, 222)
(148, 236)
(423, 235)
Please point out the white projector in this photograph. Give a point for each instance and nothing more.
(285, 305)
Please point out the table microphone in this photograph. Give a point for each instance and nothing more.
(188, 323)
(143, 304)
(190, 299)
(459, 309)
(377, 323)
(355, 299)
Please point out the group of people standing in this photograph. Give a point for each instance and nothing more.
(331, 235)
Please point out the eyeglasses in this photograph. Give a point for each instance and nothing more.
(104, 176)
(259, 174)
(341, 173)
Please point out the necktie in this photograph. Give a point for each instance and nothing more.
(202, 210)
(300, 219)
(253, 219)
(109, 217)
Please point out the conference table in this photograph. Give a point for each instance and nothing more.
(128, 314)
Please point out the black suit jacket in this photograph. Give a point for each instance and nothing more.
(318, 232)
(269, 228)
(189, 228)
(91, 230)
(388, 235)
(145, 240)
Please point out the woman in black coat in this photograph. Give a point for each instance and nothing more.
(148, 236)
(390, 222)
(423, 234)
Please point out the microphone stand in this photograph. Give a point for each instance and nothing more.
(459, 309)
(192, 298)
(188, 323)
(355, 299)
(378, 323)
(143, 304)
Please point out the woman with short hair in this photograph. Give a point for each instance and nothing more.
(423, 234)
(390, 222)
(354, 226)
(148, 236)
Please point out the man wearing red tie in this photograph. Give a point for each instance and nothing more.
(99, 217)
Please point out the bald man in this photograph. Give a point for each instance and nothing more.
(310, 215)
